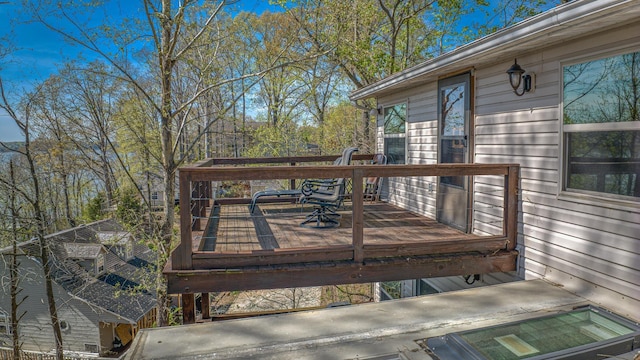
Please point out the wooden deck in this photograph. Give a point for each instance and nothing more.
(269, 249)
(225, 248)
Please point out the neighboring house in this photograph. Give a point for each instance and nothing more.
(101, 285)
(575, 134)
(155, 193)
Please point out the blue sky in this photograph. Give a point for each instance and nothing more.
(37, 51)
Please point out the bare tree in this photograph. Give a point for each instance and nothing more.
(34, 200)
(170, 38)
(14, 267)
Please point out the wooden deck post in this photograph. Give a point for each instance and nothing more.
(511, 206)
(205, 304)
(357, 207)
(188, 309)
(292, 182)
(181, 256)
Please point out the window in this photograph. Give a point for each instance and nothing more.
(92, 348)
(390, 290)
(5, 323)
(64, 325)
(395, 118)
(100, 264)
(601, 126)
(424, 288)
(154, 195)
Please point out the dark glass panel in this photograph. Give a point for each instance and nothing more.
(395, 118)
(606, 162)
(453, 113)
(452, 153)
(601, 91)
(394, 148)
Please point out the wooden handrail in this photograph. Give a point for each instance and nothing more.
(203, 172)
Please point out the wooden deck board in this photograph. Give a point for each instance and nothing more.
(236, 232)
(277, 226)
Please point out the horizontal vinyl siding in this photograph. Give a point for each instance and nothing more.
(422, 148)
(82, 329)
(591, 246)
(35, 326)
(596, 243)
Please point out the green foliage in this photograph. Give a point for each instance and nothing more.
(174, 316)
(234, 189)
(96, 208)
(129, 209)
(285, 139)
(499, 15)
(339, 129)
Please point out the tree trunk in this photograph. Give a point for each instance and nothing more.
(169, 167)
(14, 270)
(41, 228)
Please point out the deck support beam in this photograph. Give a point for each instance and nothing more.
(205, 305)
(345, 272)
(188, 308)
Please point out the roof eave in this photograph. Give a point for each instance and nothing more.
(522, 33)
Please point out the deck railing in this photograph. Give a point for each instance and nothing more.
(196, 195)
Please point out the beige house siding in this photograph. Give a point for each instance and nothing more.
(421, 146)
(591, 245)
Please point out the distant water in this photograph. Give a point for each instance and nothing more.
(6, 156)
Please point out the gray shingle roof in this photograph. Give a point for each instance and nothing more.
(120, 289)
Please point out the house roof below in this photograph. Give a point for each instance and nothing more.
(357, 331)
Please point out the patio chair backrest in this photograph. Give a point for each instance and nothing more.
(379, 159)
(347, 154)
(373, 185)
(338, 187)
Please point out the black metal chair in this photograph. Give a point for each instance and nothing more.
(327, 196)
(271, 192)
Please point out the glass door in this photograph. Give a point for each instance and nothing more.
(453, 148)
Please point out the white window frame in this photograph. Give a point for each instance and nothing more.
(5, 323)
(128, 250)
(100, 260)
(587, 196)
(90, 347)
(386, 136)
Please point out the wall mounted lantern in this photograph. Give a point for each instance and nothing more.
(375, 112)
(516, 77)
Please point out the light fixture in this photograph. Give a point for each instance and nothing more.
(375, 112)
(516, 76)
